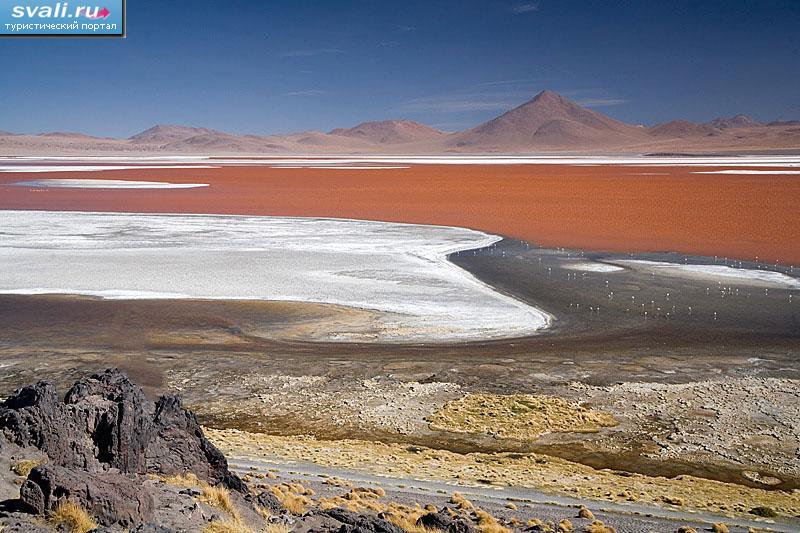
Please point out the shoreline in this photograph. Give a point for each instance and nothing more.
(400, 272)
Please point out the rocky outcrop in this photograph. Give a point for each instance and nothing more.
(102, 440)
(113, 497)
(267, 501)
(177, 445)
(446, 522)
(105, 421)
(360, 523)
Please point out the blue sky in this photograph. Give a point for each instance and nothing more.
(280, 66)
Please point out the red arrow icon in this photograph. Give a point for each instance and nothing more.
(103, 13)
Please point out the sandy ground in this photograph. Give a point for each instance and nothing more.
(607, 207)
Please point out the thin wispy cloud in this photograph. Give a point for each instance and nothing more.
(500, 83)
(460, 103)
(493, 95)
(406, 29)
(601, 102)
(308, 92)
(312, 52)
(525, 7)
(502, 95)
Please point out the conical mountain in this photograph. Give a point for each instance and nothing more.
(550, 121)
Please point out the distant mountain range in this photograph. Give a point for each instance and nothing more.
(547, 123)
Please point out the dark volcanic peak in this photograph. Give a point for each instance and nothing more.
(389, 131)
(784, 123)
(161, 133)
(737, 121)
(681, 128)
(68, 134)
(551, 120)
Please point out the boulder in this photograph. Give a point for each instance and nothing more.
(361, 523)
(268, 501)
(111, 497)
(442, 521)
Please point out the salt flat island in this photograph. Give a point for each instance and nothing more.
(399, 271)
(105, 184)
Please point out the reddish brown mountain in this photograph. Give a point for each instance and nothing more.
(389, 132)
(550, 121)
(737, 121)
(168, 133)
(680, 129)
(547, 123)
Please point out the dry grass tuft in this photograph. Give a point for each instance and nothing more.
(534, 524)
(336, 482)
(72, 516)
(225, 526)
(674, 500)
(292, 496)
(24, 467)
(408, 524)
(461, 503)
(585, 513)
(405, 517)
(187, 480)
(719, 527)
(489, 524)
(565, 526)
(220, 497)
(216, 496)
(599, 527)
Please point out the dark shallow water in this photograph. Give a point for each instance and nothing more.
(631, 312)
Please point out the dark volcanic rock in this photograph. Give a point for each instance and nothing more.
(178, 445)
(117, 417)
(442, 521)
(111, 497)
(267, 500)
(34, 416)
(101, 441)
(107, 422)
(361, 523)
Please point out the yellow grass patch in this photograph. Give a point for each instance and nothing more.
(186, 480)
(220, 497)
(72, 516)
(293, 497)
(599, 527)
(517, 416)
(489, 524)
(226, 526)
(548, 474)
(24, 467)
